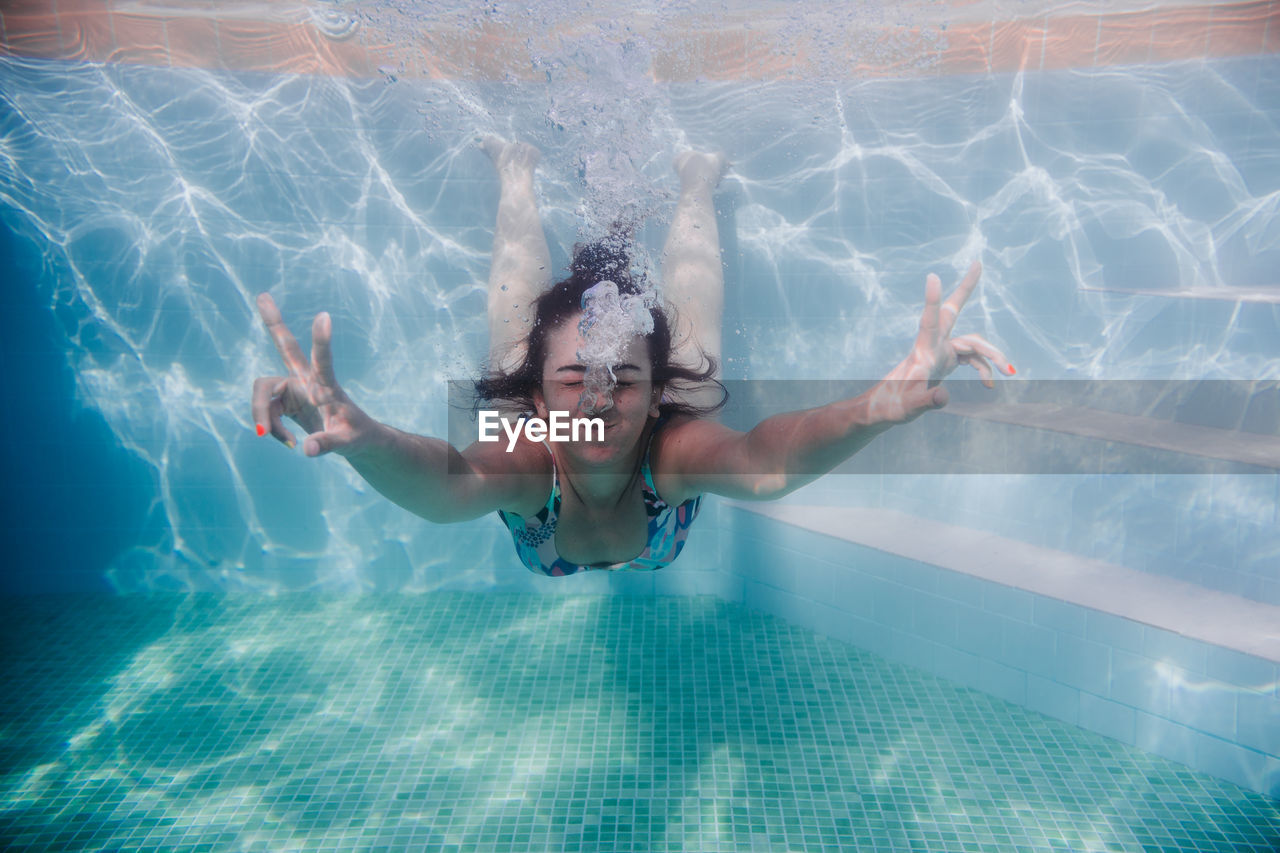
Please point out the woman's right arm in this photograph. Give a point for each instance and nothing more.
(431, 478)
(427, 476)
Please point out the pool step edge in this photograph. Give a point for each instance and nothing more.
(1181, 671)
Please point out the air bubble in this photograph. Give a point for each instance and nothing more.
(609, 323)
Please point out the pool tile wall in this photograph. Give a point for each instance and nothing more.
(1217, 530)
(1209, 707)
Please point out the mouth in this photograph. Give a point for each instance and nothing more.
(611, 429)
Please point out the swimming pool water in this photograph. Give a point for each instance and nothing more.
(463, 721)
(1125, 214)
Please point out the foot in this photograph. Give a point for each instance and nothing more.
(510, 157)
(697, 168)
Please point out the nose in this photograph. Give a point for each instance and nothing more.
(596, 402)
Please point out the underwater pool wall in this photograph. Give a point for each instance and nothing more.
(1167, 666)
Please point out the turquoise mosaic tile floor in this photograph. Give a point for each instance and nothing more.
(499, 722)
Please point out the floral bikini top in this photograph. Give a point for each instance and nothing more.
(535, 538)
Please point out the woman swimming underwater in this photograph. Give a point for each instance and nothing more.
(597, 344)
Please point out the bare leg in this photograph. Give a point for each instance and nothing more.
(692, 270)
(520, 269)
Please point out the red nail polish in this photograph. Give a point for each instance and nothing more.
(261, 430)
(1011, 370)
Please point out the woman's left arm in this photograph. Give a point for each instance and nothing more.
(784, 452)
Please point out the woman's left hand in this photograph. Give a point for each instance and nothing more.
(912, 387)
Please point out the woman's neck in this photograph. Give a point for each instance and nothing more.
(598, 490)
(606, 486)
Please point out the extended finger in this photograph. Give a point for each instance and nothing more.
(957, 299)
(321, 351)
(261, 402)
(284, 340)
(975, 343)
(929, 318)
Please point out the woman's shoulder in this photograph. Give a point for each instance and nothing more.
(522, 475)
(680, 453)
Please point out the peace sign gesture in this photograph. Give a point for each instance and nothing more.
(911, 388)
(309, 395)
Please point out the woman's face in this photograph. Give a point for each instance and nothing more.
(635, 399)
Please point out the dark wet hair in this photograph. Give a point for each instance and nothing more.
(604, 260)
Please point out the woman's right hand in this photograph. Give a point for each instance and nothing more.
(309, 395)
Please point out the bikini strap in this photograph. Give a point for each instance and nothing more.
(645, 470)
(552, 504)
